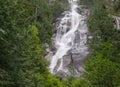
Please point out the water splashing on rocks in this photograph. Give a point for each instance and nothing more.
(70, 41)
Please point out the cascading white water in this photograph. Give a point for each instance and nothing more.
(66, 33)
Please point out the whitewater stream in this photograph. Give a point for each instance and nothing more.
(71, 40)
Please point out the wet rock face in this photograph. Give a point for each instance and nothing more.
(71, 34)
(73, 64)
(78, 61)
(66, 60)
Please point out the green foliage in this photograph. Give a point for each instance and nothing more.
(43, 20)
(80, 83)
(102, 72)
(117, 6)
(103, 63)
(52, 81)
(100, 24)
(22, 62)
(25, 25)
(87, 2)
(59, 7)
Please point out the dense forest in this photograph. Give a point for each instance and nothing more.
(27, 25)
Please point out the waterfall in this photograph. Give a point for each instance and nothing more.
(71, 36)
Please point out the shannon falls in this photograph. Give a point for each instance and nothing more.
(70, 42)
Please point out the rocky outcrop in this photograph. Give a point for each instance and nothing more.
(69, 47)
(117, 22)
